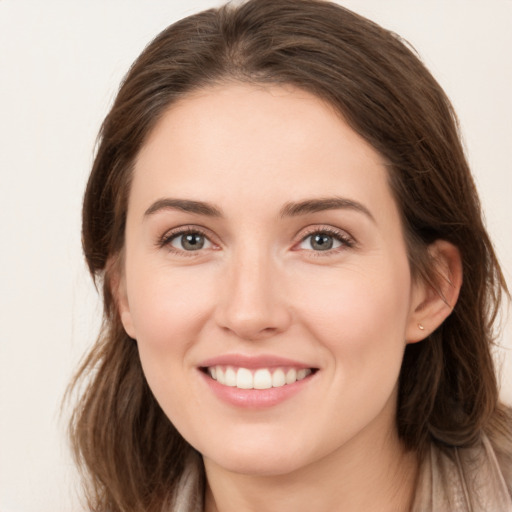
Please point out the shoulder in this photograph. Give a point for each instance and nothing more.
(486, 471)
(467, 479)
(499, 435)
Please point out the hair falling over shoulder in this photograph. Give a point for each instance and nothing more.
(130, 453)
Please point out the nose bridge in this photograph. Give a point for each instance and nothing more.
(253, 304)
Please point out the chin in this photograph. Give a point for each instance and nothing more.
(257, 464)
(262, 457)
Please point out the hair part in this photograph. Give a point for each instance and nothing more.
(448, 392)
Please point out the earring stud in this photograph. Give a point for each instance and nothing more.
(420, 327)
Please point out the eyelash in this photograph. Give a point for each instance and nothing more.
(168, 237)
(345, 240)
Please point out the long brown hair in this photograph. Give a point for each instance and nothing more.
(448, 392)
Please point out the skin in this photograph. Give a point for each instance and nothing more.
(259, 286)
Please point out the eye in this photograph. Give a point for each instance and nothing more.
(187, 241)
(325, 240)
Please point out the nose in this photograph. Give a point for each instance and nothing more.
(252, 303)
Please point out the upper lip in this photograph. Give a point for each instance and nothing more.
(251, 362)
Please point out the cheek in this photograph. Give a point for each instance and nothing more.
(359, 309)
(360, 321)
(359, 314)
(169, 308)
(168, 304)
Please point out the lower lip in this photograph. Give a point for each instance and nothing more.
(255, 398)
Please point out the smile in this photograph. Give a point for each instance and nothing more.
(260, 378)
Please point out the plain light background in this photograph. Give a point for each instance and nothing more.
(60, 65)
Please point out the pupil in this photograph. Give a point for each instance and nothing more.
(322, 242)
(193, 242)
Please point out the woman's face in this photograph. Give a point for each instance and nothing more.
(266, 279)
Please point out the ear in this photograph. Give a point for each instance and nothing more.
(432, 303)
(117, 283)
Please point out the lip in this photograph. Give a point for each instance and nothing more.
(254, 398)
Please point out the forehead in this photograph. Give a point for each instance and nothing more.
(265, 141)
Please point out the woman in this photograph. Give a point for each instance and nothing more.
(299, 290)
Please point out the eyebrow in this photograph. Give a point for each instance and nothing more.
(294, 209)
(185, 205)
(291, 209)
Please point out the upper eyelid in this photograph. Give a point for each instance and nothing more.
(172, 233)
(322, 228)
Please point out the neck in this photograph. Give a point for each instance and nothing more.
(369, 473)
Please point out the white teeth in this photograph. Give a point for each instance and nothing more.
(230, 377)
(291, 376)
(244, 379)
(262, 378)
(278, 378)
(302, 374)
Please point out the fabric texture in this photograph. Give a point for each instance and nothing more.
(449, 480)
(462, 480)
